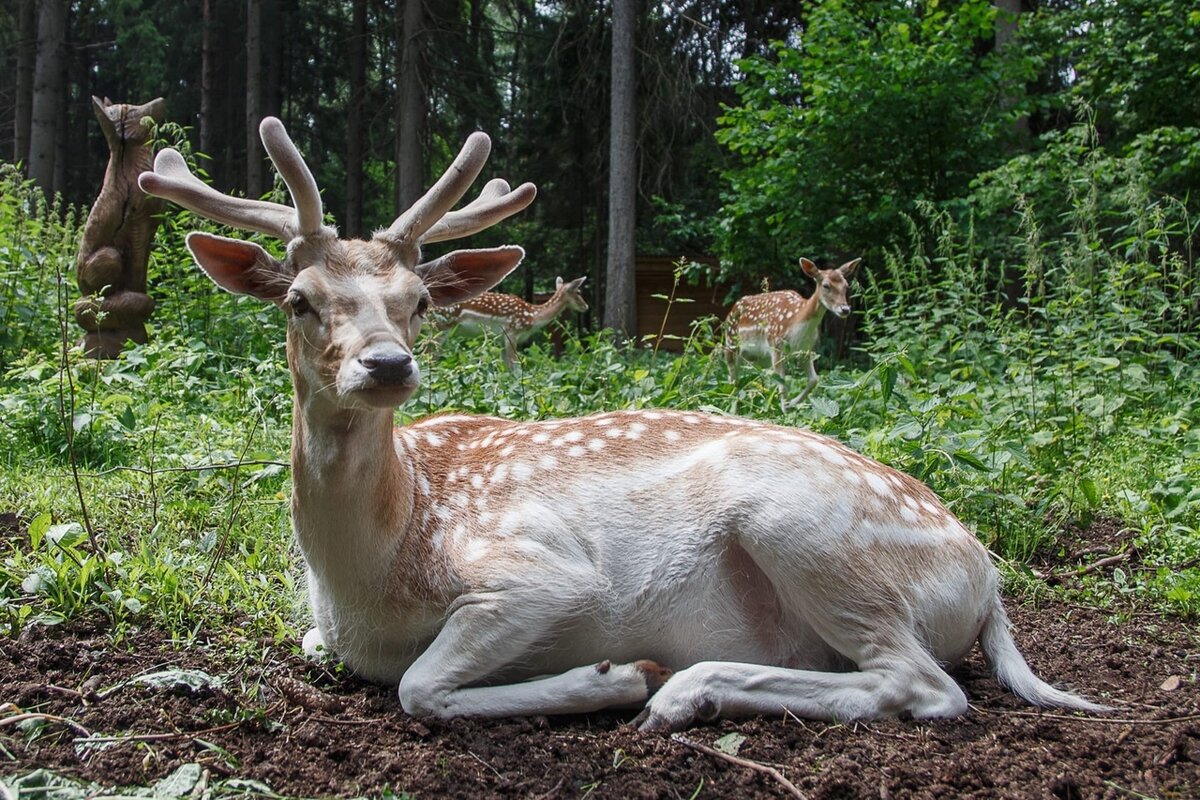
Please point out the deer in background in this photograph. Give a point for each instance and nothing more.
(773, 324)
(698, 565)
(510, 316)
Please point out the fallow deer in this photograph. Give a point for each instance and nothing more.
(493, 568)
(773, 324)
(510, 316)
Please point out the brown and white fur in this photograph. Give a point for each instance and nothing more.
(510, 316)
(496, 568)
(772, 324)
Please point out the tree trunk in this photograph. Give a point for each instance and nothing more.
(48, 93)
(206, 78)
(354, 120)
(410, 110)
(1006, 36)
(27, 25)
(254, 155)
(620, 300)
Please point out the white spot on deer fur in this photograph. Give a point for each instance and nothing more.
(459, 500)
(576, 451)
(604, 422)
(486, 518)
(500, 473)
(541, 438)
(437, 540)
(652, 415)
(476, 549)
(907, 514)
(671, 436)
(613, 433)
(829, 454)
(790, 448)
(477, 481)
(522, 471)
(851, 476)
(930, 509)
(434, 440)
(573, 436)
(878, 484)
(547, 462)
(423, 485)
(691, 419)
(507, 451)
(596, 445)
(910, 501)
(442, 513)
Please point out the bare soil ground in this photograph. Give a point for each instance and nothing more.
(307, 731)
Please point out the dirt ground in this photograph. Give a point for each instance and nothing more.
(307, 731)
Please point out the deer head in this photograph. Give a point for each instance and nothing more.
(571, 293)
(832, 284)
(354, 307)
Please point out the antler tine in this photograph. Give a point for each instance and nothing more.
(411, 226)
(295, 173)
(495, 203)
(172, 180)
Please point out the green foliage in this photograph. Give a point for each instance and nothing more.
(881, 106)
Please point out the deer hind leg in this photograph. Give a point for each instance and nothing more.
(485, 634)
(903, 679)
(510, 349)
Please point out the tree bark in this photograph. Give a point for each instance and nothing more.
(206, 78)
(410, 110)
(49, 90)
(27, 24)
(1006, 36)
(620, 310)
(354, 119)
(254, 157)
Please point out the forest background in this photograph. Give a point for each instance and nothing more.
(760, 131)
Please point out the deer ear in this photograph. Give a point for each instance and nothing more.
(849, 268)
(558, 283)
(240, 267)
(459, 276)
(810, 269)
(575, 284)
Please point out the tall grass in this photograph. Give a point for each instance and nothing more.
(1031, 393)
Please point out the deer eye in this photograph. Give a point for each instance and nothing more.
(298, 304)
(422, 306)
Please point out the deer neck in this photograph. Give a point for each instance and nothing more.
(812, 310)
(546, 312)
(352, 495)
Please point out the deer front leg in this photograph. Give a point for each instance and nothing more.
(778, 362)
(487, 632)
(812, 377)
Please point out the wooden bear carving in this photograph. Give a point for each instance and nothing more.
(111, 266)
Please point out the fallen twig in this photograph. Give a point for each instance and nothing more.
(741, 762)
(70, 723)
(1095, 565)
(1100, 720)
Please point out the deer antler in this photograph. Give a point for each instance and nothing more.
(430, 219)
(171, 179)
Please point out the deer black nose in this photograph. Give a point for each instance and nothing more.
(390, 369)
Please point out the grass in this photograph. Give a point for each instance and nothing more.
(1071, 396)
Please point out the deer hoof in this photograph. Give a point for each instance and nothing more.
(654, 673)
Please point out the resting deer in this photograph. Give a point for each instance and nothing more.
(494, 568)
(510, 316)
(775, 323)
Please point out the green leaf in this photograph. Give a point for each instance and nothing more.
(730, 743)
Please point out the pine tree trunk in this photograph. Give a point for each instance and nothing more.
(48, 93)
(410, 111)
(254, 153)
(354, 119)
(27, 23)
(620, 300)
(206, 79)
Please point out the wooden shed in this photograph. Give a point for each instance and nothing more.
(656, 282)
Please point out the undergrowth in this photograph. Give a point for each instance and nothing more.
(1032, 396)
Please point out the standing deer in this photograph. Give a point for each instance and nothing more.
(702, 566)
(775, 323)
(510, 316)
